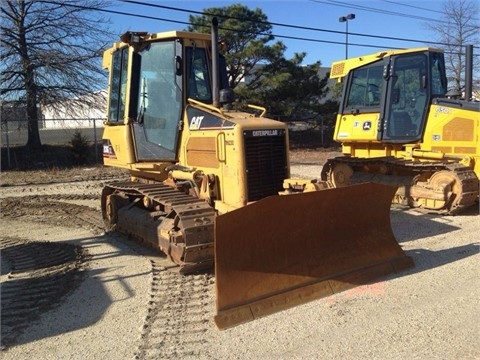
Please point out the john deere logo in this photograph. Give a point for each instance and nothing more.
(367, 125)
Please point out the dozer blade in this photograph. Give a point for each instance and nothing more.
(283, 251)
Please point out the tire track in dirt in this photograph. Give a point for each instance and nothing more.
(92, 188)
(177, 320)
(55, 210)
(39, 275)
(179, 309)
(65, 176)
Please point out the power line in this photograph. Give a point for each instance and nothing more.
(416, 7)
(385, 12)
(288, 26)
(370, 9)
(413, 6)
(243, 19)
(222, 28)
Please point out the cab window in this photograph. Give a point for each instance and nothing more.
(198, 76)
(365, 88)
(118, 86)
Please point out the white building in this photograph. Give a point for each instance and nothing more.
(75, 113)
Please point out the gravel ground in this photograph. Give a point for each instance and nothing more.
(128, 306)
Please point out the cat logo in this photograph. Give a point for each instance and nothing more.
(196, 122)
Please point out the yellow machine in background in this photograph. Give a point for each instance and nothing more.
(397, 126)
(205, 184)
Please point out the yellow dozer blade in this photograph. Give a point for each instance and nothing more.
(283, 251)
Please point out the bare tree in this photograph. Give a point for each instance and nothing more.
(459, 27)
(51, 52)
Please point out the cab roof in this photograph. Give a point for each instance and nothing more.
(185, 35)
(341, 68)
(126, 40)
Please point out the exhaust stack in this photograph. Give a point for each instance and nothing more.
(215, 61)
(468, 72)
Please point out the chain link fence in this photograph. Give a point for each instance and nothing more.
(56, 137)
(53, 133)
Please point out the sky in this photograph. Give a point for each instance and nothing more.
(387, 18)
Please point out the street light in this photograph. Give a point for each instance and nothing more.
(345, 20)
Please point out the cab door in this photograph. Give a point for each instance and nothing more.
(159, 102)
(407, 98)
(361, 108)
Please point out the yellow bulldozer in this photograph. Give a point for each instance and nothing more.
(398, 125)
(206, 178)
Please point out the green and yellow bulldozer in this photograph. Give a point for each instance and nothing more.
(399, 125)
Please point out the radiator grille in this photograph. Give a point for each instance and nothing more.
(266, 162)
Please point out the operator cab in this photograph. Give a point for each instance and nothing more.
(147, 84)
(400, 89)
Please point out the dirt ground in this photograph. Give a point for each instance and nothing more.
(99, 295)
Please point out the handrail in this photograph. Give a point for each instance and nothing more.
(210, 107)
(264, 110)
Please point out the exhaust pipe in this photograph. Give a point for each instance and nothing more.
(468, 72)
(215, 66)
